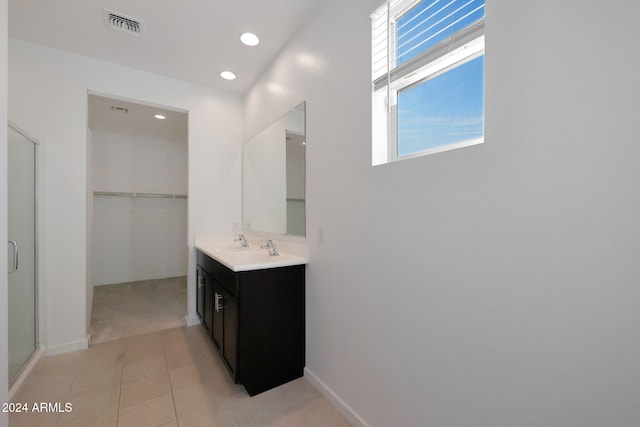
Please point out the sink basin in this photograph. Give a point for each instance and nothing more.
(250, 256)
(238, 249)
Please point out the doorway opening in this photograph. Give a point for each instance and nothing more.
(137, 251)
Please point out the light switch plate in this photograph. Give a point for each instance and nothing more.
(322, 234)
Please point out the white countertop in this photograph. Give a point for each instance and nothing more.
(237, 258)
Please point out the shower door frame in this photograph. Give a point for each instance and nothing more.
(17, 379)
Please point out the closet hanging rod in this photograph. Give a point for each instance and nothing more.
(136, 194)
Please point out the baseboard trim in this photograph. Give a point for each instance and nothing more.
(190, 321)
(65, 348)
(340, 405)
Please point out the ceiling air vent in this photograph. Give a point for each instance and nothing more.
(123, 23)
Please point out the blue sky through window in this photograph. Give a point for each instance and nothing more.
(444, 110)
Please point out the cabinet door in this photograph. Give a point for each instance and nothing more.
(208, 301)
(200, 294)
(218, 315)
(225, 326)
(230, 338)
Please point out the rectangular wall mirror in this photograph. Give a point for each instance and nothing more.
(274, 183)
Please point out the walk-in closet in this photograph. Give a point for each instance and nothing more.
(137, 218)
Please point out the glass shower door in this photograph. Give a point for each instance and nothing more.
(22, 250)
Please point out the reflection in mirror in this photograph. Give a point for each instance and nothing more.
(274, 177)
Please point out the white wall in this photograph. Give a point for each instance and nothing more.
(140, 164)
(495, 285)
(48, 98)
(139, 238)
(4, 353)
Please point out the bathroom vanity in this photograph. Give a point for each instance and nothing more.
(252, 306)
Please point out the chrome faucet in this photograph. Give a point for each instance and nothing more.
(243, 242)
(270, 247)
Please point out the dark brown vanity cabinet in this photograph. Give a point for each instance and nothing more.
(255, 320)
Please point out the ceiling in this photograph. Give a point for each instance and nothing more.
(132, 118)
(190, 40)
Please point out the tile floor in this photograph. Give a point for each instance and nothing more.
(134, 308)
(166, 378)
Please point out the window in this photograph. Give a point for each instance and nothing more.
(427, 77)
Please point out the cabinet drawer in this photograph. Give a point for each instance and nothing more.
(203, 261)
(224, 276)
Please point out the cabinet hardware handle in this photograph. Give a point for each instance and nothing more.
(218, 305)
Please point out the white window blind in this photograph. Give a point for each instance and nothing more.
(382, 36)
(399, 49)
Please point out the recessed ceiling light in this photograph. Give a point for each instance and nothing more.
(249, 39)
(227, 75)
(160, 116)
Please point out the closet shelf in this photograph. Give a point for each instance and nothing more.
(136, 194)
